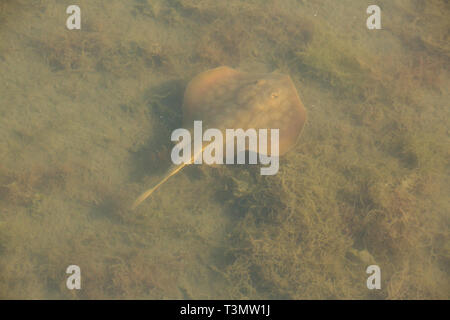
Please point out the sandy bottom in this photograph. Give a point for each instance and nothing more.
(85, 123)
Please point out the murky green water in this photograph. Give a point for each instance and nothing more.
(85, 123)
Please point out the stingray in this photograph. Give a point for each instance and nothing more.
(226, 98)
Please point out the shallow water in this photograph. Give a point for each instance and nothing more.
(85, 123)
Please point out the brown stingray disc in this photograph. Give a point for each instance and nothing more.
(224, 98)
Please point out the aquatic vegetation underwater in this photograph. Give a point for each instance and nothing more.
(368, 183)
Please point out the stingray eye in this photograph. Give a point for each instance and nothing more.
(274, 95)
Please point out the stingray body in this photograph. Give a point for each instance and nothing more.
(224, 98)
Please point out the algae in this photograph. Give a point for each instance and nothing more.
(85, 119)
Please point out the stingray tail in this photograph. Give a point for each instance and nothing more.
(172, 171)
(146, 194)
